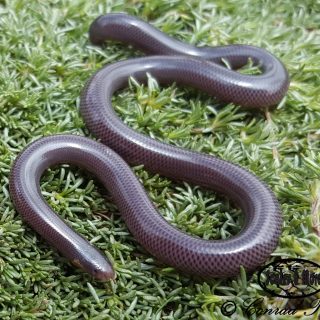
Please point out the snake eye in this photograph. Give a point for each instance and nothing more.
(101, 274)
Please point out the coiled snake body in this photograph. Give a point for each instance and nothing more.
(185, 64)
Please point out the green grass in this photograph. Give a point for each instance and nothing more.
(45, 60)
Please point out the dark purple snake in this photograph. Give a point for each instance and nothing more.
(185, 64)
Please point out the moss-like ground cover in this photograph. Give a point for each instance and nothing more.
(45, 61)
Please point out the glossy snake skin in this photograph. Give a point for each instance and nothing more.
(171, 61)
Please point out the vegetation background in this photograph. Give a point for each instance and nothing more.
(45, 61)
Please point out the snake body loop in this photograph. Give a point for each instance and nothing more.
(175, 61)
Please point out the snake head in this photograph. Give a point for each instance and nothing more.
(100, 269)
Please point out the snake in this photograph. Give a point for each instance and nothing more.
(120, 147)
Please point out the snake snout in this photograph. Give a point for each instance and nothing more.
(104, 274)
(97, 265)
